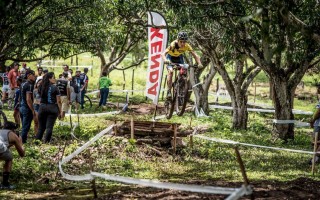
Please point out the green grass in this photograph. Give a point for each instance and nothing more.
(206, 161)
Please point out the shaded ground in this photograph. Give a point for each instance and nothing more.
(301, 188)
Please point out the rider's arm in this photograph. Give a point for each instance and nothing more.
(164, 54)
(17, 142)
(196, 57)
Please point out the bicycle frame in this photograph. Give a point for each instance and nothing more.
(180, 90)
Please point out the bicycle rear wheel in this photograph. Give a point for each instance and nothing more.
(3, 119)
(181, 92)
(87, 102)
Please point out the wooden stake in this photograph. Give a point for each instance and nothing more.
(132, 128)
(124, 80)
(243, 171)
(314, 151)
(191, 141)
(132, 81)
(175, 139)
(91, 67)
(155, 113)
(254, 99)
(217, 89)
(190, 122)
(93, 182)
(115, 128)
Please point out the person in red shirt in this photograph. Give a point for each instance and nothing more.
(12, 77)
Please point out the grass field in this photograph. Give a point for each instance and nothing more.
(36, 175)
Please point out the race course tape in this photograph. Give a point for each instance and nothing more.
(95, 114)
(74, 126)
(115, 91)
(301, 112)
(296, 123)
(253, 145)
(235, 193)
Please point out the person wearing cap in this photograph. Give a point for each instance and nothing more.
(36, 103)
(26, 104)
(8, 138)
(76, 94)
(12, 78)
(5, 85)
(83, 84)
(63, 85)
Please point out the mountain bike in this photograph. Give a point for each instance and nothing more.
(179, 91)
(9, 101)
(87, 103)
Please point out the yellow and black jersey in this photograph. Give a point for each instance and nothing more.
(174, 50)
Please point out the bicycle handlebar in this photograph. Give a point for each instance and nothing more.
(185, 66)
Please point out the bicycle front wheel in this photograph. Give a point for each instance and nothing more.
(169, 106)
(181, 92)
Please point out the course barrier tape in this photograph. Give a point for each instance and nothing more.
(200, 113)
(261, 110)
(94, 114)
(74, 126)
(80, 149)
(234, 193)
(80, 66)
(295, 122)
(115, 91)
(174, 186)
(253, 145)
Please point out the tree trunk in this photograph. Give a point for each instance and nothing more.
(201, 90)
(240, 113)
(283, 104)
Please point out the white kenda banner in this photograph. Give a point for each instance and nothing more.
(157, 39)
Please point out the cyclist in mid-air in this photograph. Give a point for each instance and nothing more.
(173, 54)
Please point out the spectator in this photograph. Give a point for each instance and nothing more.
(64, 87)
(16, 106)
(83, 85)
(50, 106)
(36, 104)
(66, 69)
(12, 78)
(76, 95)
(45, 71)
(315, 124)
(26, 103)
(23, 69)
(8, 138)
(40, 71)
(5, 85)
(104, 83)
